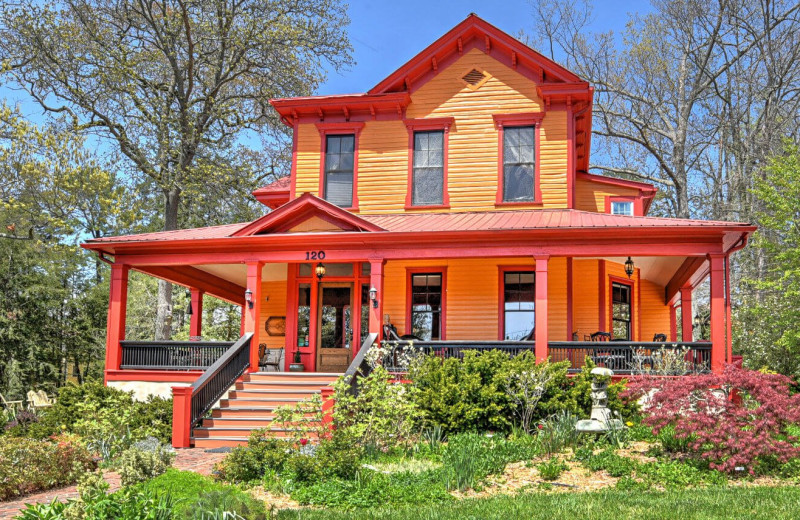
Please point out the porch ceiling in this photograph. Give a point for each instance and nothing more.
(657, 269)
(237, 273)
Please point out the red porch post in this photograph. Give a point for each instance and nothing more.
(718, 343)
(686, 314)
(196, 321)
(673, 323)
(252, 310)
(181, 416)
(117, 312)
(313, 322)
(376, 281)
(540, 307)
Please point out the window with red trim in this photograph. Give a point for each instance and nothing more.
(339, 168)
(519, 299)
(621, 312)
(519, 163)
(427, 183)
(426, 305)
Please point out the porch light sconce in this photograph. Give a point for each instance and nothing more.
(248, 297)
(373, 297)
(629, 267)
(320, 271)
(697, 322)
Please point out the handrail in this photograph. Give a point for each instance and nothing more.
(359, 365)
(219, 377)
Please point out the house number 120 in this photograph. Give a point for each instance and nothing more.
(315, 255)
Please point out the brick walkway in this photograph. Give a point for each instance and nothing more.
(197, 460)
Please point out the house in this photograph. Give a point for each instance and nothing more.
(452, 202)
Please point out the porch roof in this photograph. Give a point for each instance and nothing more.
(542, 219)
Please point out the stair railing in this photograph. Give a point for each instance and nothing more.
(190, 404)
(359, 367)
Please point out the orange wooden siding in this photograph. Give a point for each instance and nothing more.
(473, 141)
(276, 306)
(591, 196)
(585, 287)
(654, 315)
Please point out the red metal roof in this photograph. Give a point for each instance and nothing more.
(282, 184)
(468, 221)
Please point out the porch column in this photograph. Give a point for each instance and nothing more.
(673, 323)
(686, 314)
(718, 343)
(196, 320)
(540, 308)
(252, 310)
(376, 281)
(117, 312)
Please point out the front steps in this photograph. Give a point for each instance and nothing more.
(251, 405)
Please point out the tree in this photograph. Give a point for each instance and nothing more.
(655, 92)
(174, 85)
(769, 334)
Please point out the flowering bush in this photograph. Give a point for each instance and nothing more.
(29, 465)
(737, 420)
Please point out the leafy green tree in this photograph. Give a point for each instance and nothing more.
(175, 86)
(769, 315)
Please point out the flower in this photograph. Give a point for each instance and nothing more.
(540, 426)
(303, 442)
(628, 424)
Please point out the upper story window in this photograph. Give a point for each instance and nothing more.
(427, 162)
(339, 167)
(519, 163)
(428, 176)
(624, 207)
(621, 311)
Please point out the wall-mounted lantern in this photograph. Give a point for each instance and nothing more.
(320, 271)
(629, 267)
(248, 297)
(373, 297)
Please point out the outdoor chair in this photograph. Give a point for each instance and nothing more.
(269, 357)
(660, 338)
(38, 399)
(11, 406)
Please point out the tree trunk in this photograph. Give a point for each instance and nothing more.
(164, 310)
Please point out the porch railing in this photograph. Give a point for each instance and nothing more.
(623, 357)
(171, 355)
(360, 366)
(635, 357)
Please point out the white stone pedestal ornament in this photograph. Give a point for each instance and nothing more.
(601, 420)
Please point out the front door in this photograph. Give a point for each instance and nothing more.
(335, 327)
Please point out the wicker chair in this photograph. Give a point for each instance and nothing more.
(269, 357)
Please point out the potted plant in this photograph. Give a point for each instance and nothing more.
(297, 364)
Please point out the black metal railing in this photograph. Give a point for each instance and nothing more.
(171, 355)
(397, 350)
(219, 377)
(635, 357)
(360, 365)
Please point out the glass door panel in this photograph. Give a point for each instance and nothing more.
(335, 327)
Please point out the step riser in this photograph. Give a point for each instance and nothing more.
(323, 380)
(244, 422)
(218, 443)
(302, 387)
(266, 394)
(226, 403)
(222, 413)
(228, 432)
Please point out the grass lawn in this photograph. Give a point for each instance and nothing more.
(711, 503)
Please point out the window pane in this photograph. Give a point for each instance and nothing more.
(428, 175)
(339, 166)
(426, 298)
(518, 305)
(622, 208)
(518, 325)
(339, 189)
(518, 163)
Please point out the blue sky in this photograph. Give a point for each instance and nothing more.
(385, 34)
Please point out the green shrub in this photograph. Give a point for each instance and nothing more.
(551, 469)
(302, 469)
(28, 465)
(339, 456)
(672, 442)
(225, 504)
(250, 463)
(613, 464)
(382, 414)
(138, 464)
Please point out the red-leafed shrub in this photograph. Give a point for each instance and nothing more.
(737, 419)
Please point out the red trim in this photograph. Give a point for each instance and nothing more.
(427, 270)
(293, 173)
(728, 325)
(117, 313)
(376, 280)
(717, 298)
(632, 284)
(570, 298)
(355, 341)
(601, 301)
(541, 308)
(313, 320)
(189, 276)
(181, 417)
(673, 323)
(273, 199)
(291, 315)
(419, 125)
(501, 121)
(326, 129)
(342, 108)
(501, 315)
(690, 273)
(154, 376)
(196, 321)
(299, 210)
(687, 326)
(570, 159)
(252, 311)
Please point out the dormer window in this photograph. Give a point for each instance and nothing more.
(624, 207)
(339, 163)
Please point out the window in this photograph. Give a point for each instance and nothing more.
(622, 207)
(428, 174)
(519, 298)
(426, 305)
(621, 311)
(339, 165)
(519, 163)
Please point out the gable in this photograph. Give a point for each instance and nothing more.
(306, 214)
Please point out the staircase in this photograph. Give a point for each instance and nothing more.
(251, 405)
